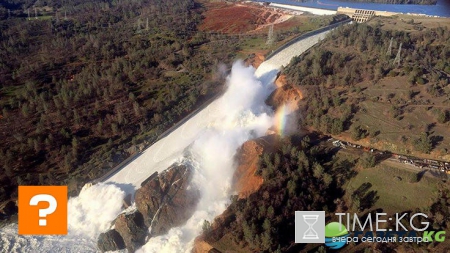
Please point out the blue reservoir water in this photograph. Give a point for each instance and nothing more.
(442, 8)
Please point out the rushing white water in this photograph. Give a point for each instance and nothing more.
(89, 214)
(208, 142)
(241, 115)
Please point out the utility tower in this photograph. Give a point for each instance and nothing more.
(65, 15)
(389, 51)
(398, 57)
(270, 38)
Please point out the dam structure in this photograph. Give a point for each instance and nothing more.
(362, 15)
(358, 15)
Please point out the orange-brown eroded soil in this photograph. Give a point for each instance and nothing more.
(240, 18)
(245, 180)
(200, 246)
(285, 94)
(255, 59)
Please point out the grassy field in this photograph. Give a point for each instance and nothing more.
(416, 114)
(394, 188)
(409, 23)
(395, 105)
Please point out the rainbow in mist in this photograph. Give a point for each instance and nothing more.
(281, 119)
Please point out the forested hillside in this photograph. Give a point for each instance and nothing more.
(354, 84)
(84, 80)
(296, 177)
(301, 175)
(351, 87)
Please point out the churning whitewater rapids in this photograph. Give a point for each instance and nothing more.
(207, 142)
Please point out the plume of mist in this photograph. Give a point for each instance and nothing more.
(91, 212)
(243, 116)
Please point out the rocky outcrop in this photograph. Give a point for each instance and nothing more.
(132, 229)
(110, 241)
(164, 201)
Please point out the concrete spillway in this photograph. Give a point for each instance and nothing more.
(168, 150)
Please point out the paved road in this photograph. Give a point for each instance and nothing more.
(390, 161)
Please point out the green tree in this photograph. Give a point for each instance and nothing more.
(206, 227)
(270, 212)
(321, 249)
(41, 179)
(100, 126)
(395, 111)
(267, 225)
(374, 132)
(5, 113)
(318, 170)
(368, 250)
(114, 128)
(327, 179)
(443, 116)
(25, 110)
(415, 177)
(337, 101)
(325, 123)
(356, 132)
(367, 160)
(423, 143)
(356, 203)
(75, 146)
(266, 241)
(337, 126)
(292, 187)
(248, 233)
